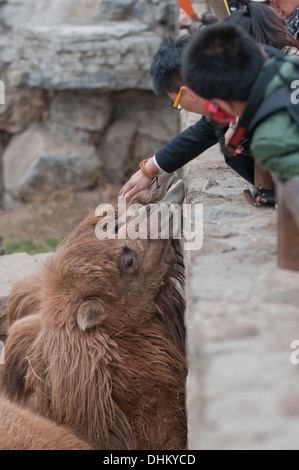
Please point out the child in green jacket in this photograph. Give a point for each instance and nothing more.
(223, 65)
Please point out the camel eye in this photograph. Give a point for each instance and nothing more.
(130, 262)
(127, 260)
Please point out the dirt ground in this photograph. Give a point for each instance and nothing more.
(54, 216)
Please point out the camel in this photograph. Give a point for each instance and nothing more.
(24, 298)
(23, 430)
(21, 336)
(107, 356)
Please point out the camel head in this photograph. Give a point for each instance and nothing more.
(165, 186)
(117, 281)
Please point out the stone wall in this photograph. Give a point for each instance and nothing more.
(242, 318)
(79, 104)
(83, 136)
(160, 15)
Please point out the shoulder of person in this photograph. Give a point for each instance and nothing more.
(279, 130)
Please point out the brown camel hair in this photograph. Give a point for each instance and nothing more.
(108, 360)
(106, 351)
(21, 336)
(24, 298)
(20, 429)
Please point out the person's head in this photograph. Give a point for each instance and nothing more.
(284, 7)
(167, 77)
(264, 25)
(221, 64)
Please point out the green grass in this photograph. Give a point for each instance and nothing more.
(32, 247)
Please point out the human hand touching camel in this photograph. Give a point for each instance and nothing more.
(138, 181)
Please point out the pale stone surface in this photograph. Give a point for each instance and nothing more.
(158, 13)
(117, 149)
(115, 55)
(82, 110)
(85, 134)
(16, 12)
(161, 15)
(45, 158)
(22, 106)
(69, 69)
(242, 316)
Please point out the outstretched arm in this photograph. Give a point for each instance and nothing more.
(138, 181)
(175, 154)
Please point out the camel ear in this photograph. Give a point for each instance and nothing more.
(90, 314)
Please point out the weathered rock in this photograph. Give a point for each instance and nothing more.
(116, 10)
(112, 56)
(22, 106)
(144, 123)
(118, 148)
(157, 13)
(82, 110)
(46, 158)
(67, 83)
(4, 138)
(14, 12)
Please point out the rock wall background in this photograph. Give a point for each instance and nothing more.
(79, 103)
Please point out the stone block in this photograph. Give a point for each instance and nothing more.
(22, 107)
(89, 111)
(111, 56)
(46, 158)
(15, 12)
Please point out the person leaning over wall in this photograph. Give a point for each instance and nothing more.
(264, 99)
(166, 78)
(223, 64)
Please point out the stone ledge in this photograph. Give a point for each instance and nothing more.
(113, 56)
(242, 316)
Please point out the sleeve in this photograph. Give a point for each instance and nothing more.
(186, 146)
(275, 145)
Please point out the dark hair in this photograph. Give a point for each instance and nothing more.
(222, 61)
(264, 25)
(166, 66)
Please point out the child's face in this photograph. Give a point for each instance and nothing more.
(284, 7)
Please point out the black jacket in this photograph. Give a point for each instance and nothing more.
(195, 140)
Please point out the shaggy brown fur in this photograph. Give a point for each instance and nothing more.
(24, 298)
(108, 360)
(105, 350)
(21, 336)
(20, 429)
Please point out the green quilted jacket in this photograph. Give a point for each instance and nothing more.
(275, 141)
